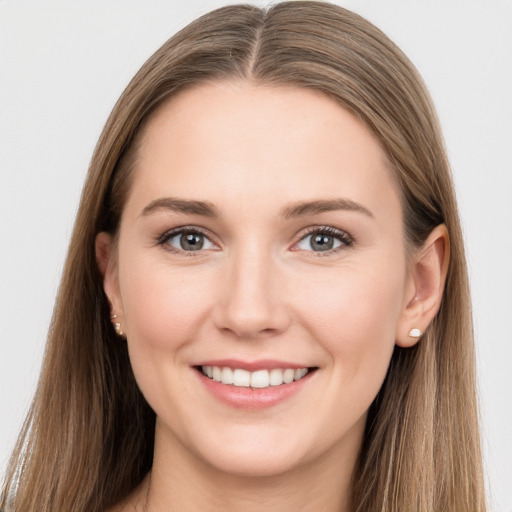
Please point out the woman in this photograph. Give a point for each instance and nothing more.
(265, 300)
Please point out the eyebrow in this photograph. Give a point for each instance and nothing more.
(203, 208)
(207, 209)
(321, 206)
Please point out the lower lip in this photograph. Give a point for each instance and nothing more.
(253, 398)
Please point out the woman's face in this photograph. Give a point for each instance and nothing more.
(261, 239)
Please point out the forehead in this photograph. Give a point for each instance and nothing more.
(226, 140)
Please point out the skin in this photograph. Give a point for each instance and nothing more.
(258, 290)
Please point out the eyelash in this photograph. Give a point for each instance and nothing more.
(345, 239)
(185, 230)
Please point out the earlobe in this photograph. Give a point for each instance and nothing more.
(427, 279)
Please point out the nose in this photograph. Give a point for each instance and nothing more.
(252, 299)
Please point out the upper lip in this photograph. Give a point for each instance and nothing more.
(252, 366)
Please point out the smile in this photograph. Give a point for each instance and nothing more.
(254, 385)
(259, 379)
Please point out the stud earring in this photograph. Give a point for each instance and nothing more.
(117, 326)
(415, 333)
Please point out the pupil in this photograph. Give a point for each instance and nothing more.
(191, 242)
(322, 242)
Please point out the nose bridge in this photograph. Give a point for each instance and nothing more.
(251, 303)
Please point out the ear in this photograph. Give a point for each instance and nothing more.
(425, 286)
(107, 264)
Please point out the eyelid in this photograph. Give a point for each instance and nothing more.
(346, 239)
(179, 230)
(342, 235)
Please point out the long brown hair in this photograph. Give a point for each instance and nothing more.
(88, 439)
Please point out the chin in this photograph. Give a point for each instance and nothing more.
(260, 464)
(256, 452)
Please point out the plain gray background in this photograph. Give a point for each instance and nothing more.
(63, 65)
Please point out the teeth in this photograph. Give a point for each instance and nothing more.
(227, 376)
(242, 378)
(258, 379)
(300, 372)
(288, 376)
(276, 377)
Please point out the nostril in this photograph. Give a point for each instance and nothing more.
(248, 332)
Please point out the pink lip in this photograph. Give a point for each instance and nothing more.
(252, 399)
(251, 366)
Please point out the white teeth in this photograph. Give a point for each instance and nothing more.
(242, 378)
(288, 375)
(227, 376)
(217, 373)
(299, 373)
(258, 379)
(276, 377)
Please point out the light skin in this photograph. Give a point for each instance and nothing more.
(257, 174)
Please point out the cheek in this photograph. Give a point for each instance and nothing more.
(163, 307)
(354, 318)
(354, 300)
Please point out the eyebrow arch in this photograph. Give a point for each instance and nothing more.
(321, 206)
(203, 208)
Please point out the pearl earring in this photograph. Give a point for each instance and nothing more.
(415, 333)
(117, 326)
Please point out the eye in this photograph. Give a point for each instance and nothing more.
(186, 240)
(324, 239)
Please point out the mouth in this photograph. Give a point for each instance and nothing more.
(254, 385)
(259, 379)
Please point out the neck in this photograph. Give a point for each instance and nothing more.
(182, 482)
